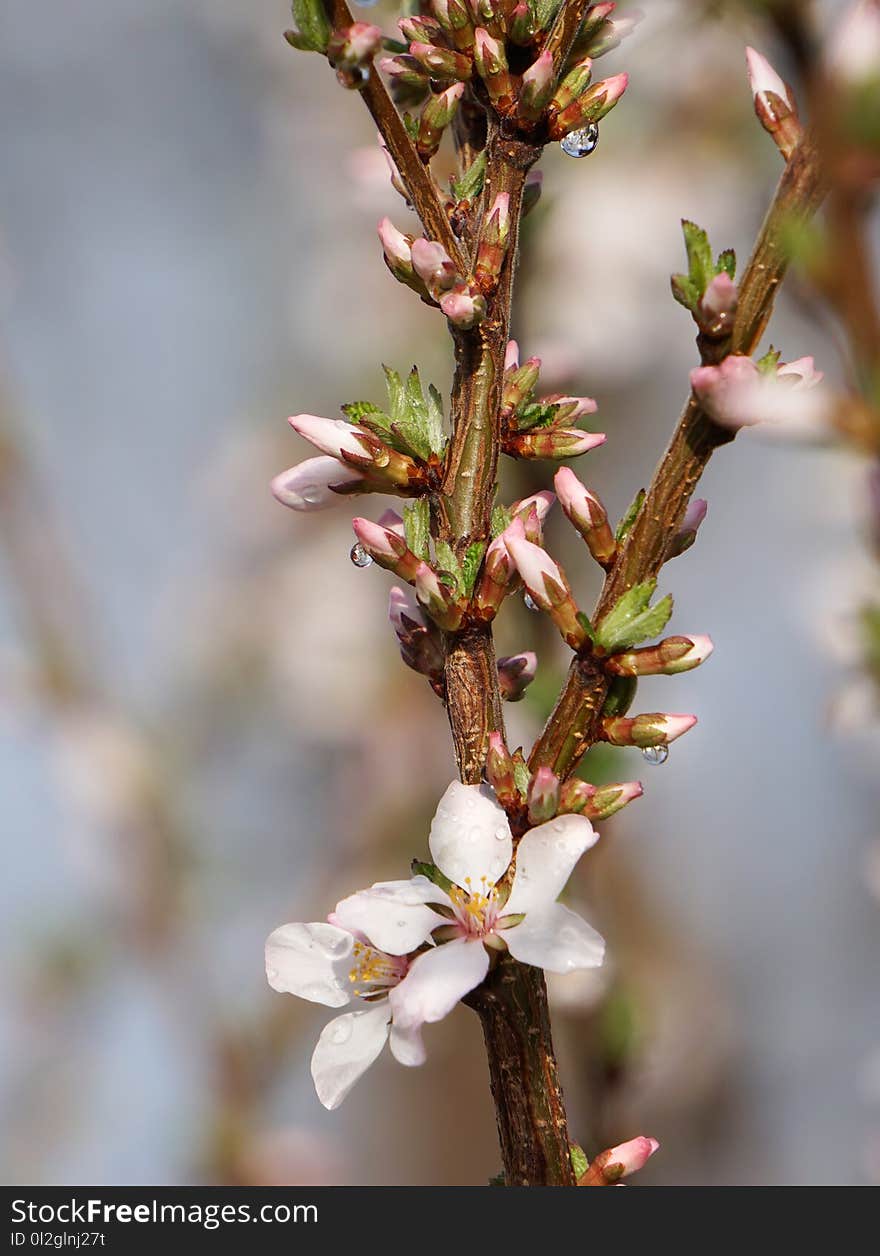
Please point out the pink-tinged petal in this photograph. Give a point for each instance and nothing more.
(632, 1155)
(310, 961)
(804, 369)
(677, 725)
(556, 939)
(310, 484)
(470, 836)
(437, 981)
(532, 563)
(542, 503)
(545, 858)
(763, 78)
(331, 436)
(394, 243)
(407, 1046)
(393, 914)
(346, 1049)
(511, 356)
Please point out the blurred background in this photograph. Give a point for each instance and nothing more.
(205, 727)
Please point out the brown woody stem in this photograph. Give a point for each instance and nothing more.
(572, 726)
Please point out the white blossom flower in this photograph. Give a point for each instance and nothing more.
(328, 964)
(472, 848)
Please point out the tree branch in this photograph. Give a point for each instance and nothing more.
(571, 728)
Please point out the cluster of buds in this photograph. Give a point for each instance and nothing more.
(426, 267)
(541, 427)
(708, 289)
(459, 39)
(542, 796)
(350, 51)
(421, 641)
(499, 575)
(774, 104)
(355, 461)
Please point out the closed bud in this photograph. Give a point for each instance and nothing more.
(436, 116)
(407, 80)
(493, 243)
(519, 384)
(491, 63)
(421, 641)
(573, 85)
(560, 442)
(690, 525)
(646, 730)
(546, 584)
(421, 30)
(521, 25)
(465, 307)
(387, 548)
(383, 466)
(437, 599)
(443, 65)
(488, 15)
(537, 87)
(717, 307)
(619, 1162)
(511, 356)
(497, 579)
(397, 248)
(543, 796)
(455, 18)
(351, 50)
(533, 511)
(597, 802)
(499, 771)
(774, 104)
(587, 514)
(515, 673)
(592, 106)
(674, 655)
(316, 484)
(433, 266)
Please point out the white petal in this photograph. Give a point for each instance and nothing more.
(470, 836)
(346, 1049)
(556, 939)
(393, 914)
(545, 858)
(407, 1046)
(310, 961)
(437, 980)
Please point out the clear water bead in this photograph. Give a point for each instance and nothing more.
(359, 556)
(582, 142)
(655, 755)
(529, 603)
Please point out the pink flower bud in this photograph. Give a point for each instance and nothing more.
(396, 245)
(560, 442)
(668, 658)
(537, 86)
(364, 40)
(499, 771)
(690, 524)
(764, 79)
(420, 640)
(464, 309)
(433, 265)
(436, 598)
(313, 484)
(591, 106)
(543, 798)
(774, 104)
(511, 356)
(737, 394)
(515, 673)
(386, 548)
(587, 514)
(717, 306)
(619, 1162)
(332, 436)
(541, 503)
(546, 584)
(645, 731)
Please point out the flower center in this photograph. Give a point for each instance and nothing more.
(373, 972)
(476, 909)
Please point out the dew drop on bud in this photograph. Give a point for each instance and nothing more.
(529, 603)
(655, 755)
(582, 142)
(359, 556)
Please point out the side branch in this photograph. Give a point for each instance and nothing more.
(571, 728)
(415, 176)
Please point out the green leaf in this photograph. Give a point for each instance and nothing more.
(501, 518)
(544, 11)
(433, 873)
(699, 253)
(685, 292)
(436, 433)
(470, 185)
(768, 364)
(357, 411)
(579, 1161)
(313, 27)
(448, 562)
(621, 693)
(584, 621)
(471, 563)
(411, 123)
(417, 527)
(726, 262)
(632, 619)
(626, 523)
(521, 776)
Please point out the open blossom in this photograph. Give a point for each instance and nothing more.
(737, 394)
(313, 484)
(328, 964)
(472, 848)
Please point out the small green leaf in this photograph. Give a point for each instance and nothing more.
(685, 292)
(621, 693)
(579, 1161)
(699, 254)
(411, 122)
(584, 621)
(433, 873)
(396, 396)
(448, 562)
(521, 776)
(470, 185)
(313, 27)
(626, 523)
(501, 519)
(470, 566)
(632, 619)
(436, 433)
(544, 11)
(726, 262)
(357, 411)
(417, 527)
(768, 364)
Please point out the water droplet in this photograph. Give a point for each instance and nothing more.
(340, 1031)
(401, 924)
(655, 755)
(359, 556)
(529, 603)
(582, 142)
(502, 833)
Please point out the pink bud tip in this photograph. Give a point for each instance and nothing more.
(702, 648)
(374, 537)
(615, 87)
(695, 514)
(511, 356)
(631, 790)
(394, 242)
(332, 436)
(677, 725)
(633, 1155)
(542, 503)
(763, 78)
